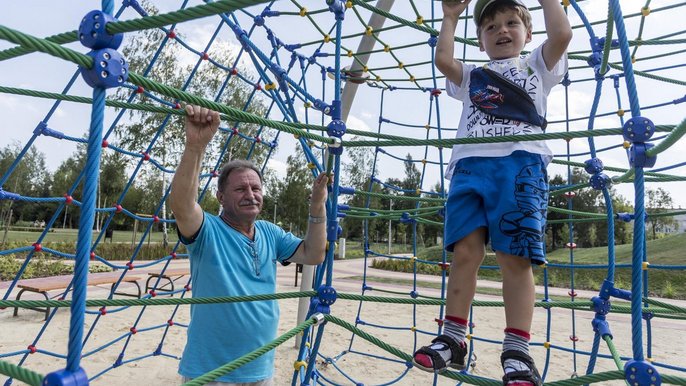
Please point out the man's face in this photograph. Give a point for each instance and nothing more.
(504, 36)
(242, 195)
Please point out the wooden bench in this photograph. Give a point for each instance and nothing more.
(42, 285)
(170, 276)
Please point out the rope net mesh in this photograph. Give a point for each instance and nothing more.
(279, 72)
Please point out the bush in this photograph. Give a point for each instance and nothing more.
(661, 282)
(108, 251)
(39, 267)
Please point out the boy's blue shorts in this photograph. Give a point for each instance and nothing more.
(508, 196)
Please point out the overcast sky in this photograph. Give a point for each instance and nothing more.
(413, 108)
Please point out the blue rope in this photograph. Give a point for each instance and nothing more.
(86, 221)
(636, 266)
(626, 58)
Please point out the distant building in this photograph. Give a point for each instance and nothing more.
(678, 227)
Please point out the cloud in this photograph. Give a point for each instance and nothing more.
(9, 102)
(279, 167)
(357, 124)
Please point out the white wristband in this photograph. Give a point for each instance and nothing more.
(316, 220)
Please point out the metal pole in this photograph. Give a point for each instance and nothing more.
(304, 303)
(390, 207)
(367, 43)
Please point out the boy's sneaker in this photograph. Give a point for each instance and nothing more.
(525, 374)
(444, 352)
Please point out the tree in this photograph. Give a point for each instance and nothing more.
(585, 234)
(557, 230)
(209, 82)
(431, 232)
(63, 180)
(659, 201)
(291, 196)
(356, 173)
(410, 184)
(162, 136)
(112, 182)
(30, 178)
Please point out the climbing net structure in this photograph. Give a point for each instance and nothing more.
(300, 65)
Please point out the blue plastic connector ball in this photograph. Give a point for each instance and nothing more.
(638, 129)
(92, 32)
(638, 156)
(109, 69)
(336, 128)
(66, 378)
(593, 166)
(600, 181)
(326, 295)
(639, 372)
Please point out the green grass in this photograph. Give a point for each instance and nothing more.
(355, 249)
(70, 235)
(667, 250)
(661, 283)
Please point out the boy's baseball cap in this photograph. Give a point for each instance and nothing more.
(482, 5)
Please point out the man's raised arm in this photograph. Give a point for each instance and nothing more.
(313, 249)
(201, 125)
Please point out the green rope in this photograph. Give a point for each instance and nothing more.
(589, 378)
(608, 41)
(577, 213)
(609, 168)
(87, 62)
(429, 222)
(400, 20)
(580, 305)
(466, 378)
(157, 301)
(576, 220)
(613, 350)
(673, 379)
(251, 356)
(174, 17)
(673, 137)
(147, 22)
(239, 114)
(167, 110)
(398, 198)
(28, 41)
(20, 373)
(665, 305)
(440, 143)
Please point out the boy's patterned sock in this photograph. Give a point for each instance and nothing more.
(455, 328)
(516, 340)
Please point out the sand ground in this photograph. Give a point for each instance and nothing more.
(343, 360)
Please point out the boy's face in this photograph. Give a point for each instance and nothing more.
(504, 36)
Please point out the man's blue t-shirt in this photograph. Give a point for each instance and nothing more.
(224, 262)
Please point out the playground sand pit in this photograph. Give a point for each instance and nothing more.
(361, 363)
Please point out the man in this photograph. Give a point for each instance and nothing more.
(233, 255)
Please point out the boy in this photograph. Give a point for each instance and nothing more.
(498, 191)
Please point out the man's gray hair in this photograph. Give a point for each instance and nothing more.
(237, 164)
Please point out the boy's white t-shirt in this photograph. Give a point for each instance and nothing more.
(528, 71)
